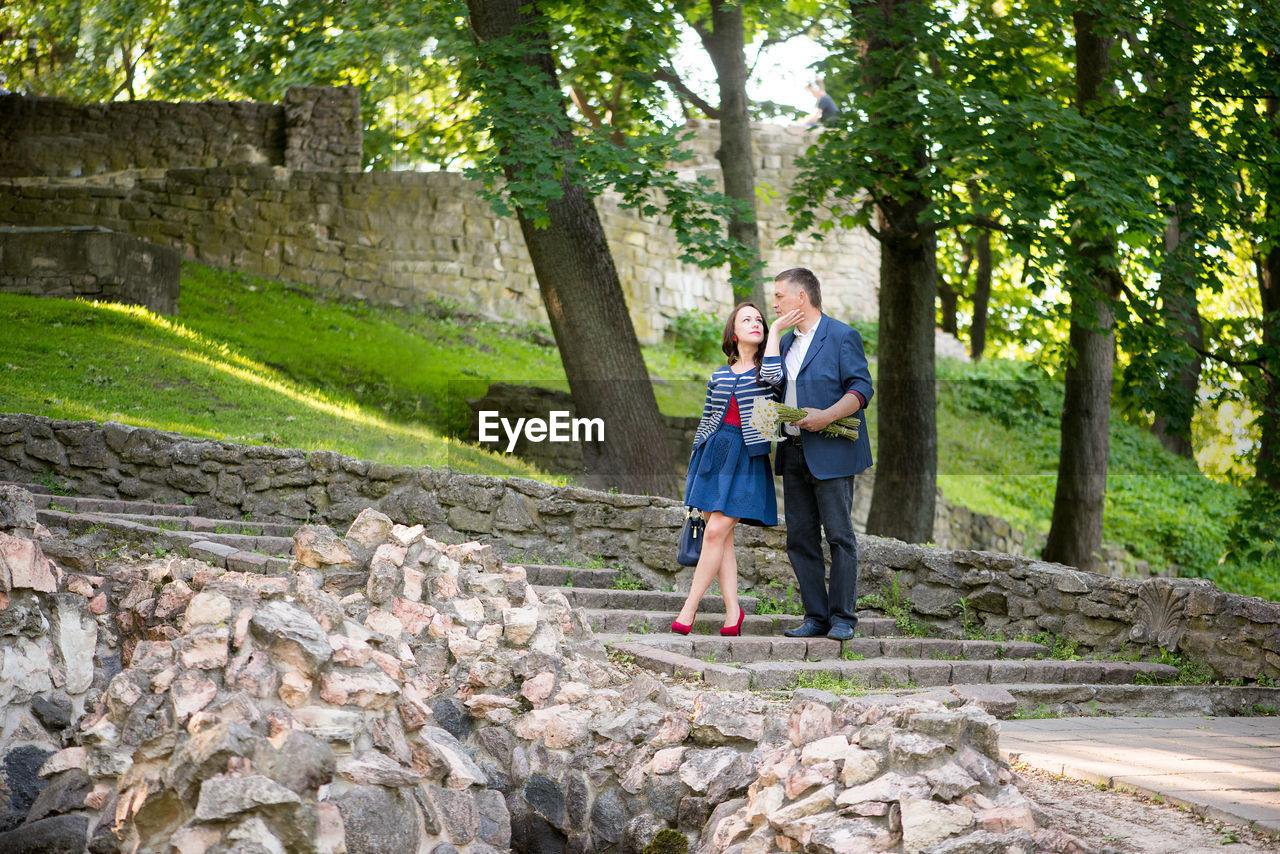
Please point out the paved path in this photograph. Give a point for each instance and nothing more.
(1226, 769)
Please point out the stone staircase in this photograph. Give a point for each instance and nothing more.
(239, 545)
(1006, 676)
(637, 623)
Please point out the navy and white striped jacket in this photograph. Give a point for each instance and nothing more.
(723, 384)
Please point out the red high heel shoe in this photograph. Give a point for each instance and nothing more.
(736, 629)
(681, 628)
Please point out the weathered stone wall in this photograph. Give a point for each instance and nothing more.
(89, 262)
(391, 694)
(315, 128)
(248, 194)
(1238, 636)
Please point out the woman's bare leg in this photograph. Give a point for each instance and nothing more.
(719, 531)
(728, 578)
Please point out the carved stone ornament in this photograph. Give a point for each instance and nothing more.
(1161, 614)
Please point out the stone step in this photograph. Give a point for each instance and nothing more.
(551, 575)
(33, 488)
(86, 504)
(1049, 700)
(641, 600)
(214, 526)
(640, 622)
(251, 550)
(905, 672)
(743, 650)
(891, 673)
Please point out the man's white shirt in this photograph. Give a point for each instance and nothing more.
(792, 362)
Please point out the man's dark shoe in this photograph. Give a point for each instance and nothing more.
(808, 629)
(841, 632)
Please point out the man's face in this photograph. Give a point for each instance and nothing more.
(787, 296)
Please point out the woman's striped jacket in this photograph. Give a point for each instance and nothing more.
(749, 388)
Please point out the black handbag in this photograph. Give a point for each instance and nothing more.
(691, 535)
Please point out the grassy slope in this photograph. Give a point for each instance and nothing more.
(256, 361)
(106, 362)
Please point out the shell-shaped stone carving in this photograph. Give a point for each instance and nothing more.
(1161, 615)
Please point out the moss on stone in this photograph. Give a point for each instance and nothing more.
(668, 842)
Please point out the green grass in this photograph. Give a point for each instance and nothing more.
(261, 362)
(625, 580)
(823, 680)
(998, 440)
(774, 598)
(77, 360)
(417, 365)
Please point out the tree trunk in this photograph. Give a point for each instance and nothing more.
(724, 44)
(1268, 465)
(1182, 311)
(981, 295)
(584, 300)
(1075, 533)
(902, 503)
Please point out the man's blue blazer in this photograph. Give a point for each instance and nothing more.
(835, 364)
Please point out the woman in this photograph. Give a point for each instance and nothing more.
(729, 474)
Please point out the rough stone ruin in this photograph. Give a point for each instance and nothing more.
(276, 190)
(390, 693)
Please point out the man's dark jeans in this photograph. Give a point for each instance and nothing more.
(815, 506)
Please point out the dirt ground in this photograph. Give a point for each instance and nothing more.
(1122, 821)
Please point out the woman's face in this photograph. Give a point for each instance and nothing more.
(749, 325)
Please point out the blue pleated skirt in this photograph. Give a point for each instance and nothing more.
(723, 476)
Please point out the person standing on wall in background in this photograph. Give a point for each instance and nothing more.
(824, 373)
(729, 474)
(823, 111)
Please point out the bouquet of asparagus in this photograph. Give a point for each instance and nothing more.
(768, 415)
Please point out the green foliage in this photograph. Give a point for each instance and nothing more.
(1013, 394)
(99, 50)
(998, 450)
(824, 680)
(56, 486)
(870, 332)
(776, 599)
(535, 156)
(1060, 648)
(894, 603)
(625, 580)
(1251, 564)
(698, 334)
(969, 625)
(1189, 672)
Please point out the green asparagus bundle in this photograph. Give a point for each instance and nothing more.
(768, 415)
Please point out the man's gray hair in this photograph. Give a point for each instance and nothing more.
(803, 278)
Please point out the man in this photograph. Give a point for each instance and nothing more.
(825, 374)
(824, 109)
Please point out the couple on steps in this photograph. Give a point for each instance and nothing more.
(809, 361)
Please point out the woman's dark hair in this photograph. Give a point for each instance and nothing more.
(730, 346)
